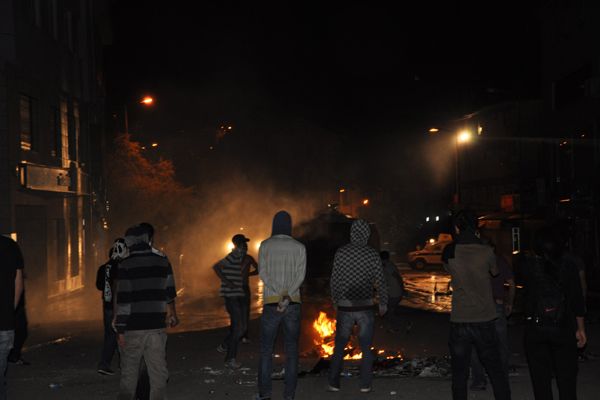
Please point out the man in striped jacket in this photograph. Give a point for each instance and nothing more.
(145, 305)
(231, 270)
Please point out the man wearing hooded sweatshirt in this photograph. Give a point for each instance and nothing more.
(145, 302)
(282, 267)
(472, 264)
(357, 270)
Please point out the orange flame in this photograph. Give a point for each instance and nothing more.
(325, 328)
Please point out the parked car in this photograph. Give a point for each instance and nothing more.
(431, 253)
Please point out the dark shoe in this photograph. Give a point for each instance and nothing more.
(232, 364)
(106, 371)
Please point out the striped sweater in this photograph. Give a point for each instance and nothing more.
(145, 287)
(231, 268)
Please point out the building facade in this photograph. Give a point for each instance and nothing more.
(51, 138)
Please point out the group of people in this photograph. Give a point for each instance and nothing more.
(138, 295)
(363, 282)
(554, 311)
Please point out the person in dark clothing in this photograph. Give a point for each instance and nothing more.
(21, 334)
(554, 312)
(11, 289)
(471, 263)
(106, 279)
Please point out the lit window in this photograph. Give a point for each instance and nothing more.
(26, 122)
(64, 133)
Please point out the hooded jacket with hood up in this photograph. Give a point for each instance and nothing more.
(357, 271)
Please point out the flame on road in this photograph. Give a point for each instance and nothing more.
(325, 341)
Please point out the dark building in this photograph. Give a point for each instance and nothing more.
(51, 137)
(531, 162)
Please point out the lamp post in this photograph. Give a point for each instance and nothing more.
(461, 137)
(146, 101)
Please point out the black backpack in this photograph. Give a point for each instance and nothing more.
(550, 300)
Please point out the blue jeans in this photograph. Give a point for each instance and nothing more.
(477, 371)
(6, 343)
(246, 311)
(234, 306)
(269, 326)
(343, 329)
(482, 336)
(110, 339)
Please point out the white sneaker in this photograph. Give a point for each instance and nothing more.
(333, 389)
(366, 390)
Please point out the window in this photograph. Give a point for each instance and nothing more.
(64, 133)
(26, 122)
(76, 132)
(55, 131)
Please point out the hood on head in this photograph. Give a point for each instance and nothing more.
(360, 232)
(137, 235)
(282, 224)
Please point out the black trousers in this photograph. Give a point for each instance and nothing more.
(484, 337)
(552, 354)
(21, 332)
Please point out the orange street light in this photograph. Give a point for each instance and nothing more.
(147, 100)
(154, 145)
(342, 190)
(464, 137)
(434, 130)
(365, 202)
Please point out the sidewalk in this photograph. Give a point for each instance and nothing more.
(197, 371)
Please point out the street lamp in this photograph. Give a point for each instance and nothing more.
(146, 100)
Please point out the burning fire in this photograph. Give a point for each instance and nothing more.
(325, 341)
(325, 327)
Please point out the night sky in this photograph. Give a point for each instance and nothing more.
(359, 72)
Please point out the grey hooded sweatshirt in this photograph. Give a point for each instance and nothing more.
(357, 272)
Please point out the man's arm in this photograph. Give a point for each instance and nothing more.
(300, 272)
(172, 319)
(252, 266)
(18, 286)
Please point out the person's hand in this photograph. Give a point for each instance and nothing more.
(121, 340)
(113, 323)
(581, 338)
(172, 320)
(508, 308)
(382, 309)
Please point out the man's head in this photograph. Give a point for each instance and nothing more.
(465, 221)
(137, 234)
(385, 255)
(282, 223)
(149, 230)
(240, 241)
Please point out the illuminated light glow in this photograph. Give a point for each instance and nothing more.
(479, 129)
(583, 135)
(464, 137)
(257, 246)
(147, 100)
(143, 147)
(365, 201)
(437, 217)
(432, 240)
(516, 252)
(229, 246)
(433, 277)
(427, 219)
(433, 130)
(229, 127)
(567, 200)
(342, 190)
(154, 145)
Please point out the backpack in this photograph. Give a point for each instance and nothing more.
(550, 301)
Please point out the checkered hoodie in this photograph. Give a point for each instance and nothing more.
(357, 271)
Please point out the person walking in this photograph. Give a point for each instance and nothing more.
(281, 268)
(106, 279)
(229, 270)
(471, 264)
(504, 300)
(11, 289)
(395, 285)
(555, 311)
(357, 271)
(145, 305)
